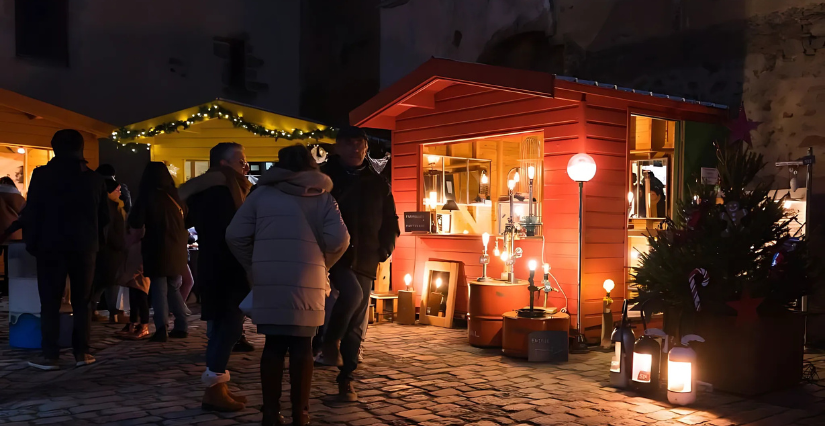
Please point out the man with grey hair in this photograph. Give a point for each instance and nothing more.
(213, 198)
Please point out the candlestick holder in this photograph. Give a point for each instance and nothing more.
(485, 259)
(532, 311)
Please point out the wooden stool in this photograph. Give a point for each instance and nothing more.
(406, 307)
(514, 340)
(380, 305)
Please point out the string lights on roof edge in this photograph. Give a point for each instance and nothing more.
(124, 136)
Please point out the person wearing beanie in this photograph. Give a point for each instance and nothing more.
(368, 209)
(62, 222)
(108, 171)
(112, 253)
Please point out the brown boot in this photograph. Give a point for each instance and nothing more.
(238, 398)
(216, 398)
(346, 392)
(331, 354)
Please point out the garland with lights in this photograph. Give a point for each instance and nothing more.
(122, 135)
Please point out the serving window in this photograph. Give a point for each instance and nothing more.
(465, 184)
(653, 154)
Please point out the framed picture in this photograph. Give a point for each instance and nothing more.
(438, 294)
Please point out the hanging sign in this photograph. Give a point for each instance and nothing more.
(416, 221)
(710, 176)
(547, 346)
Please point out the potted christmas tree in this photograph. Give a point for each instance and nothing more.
(727, 268)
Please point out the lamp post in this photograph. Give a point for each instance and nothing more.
(581, 168)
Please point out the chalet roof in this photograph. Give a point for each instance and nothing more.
(417, 88)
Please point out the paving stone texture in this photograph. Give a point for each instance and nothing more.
(411, 375)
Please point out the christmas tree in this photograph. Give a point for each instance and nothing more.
(728, 248)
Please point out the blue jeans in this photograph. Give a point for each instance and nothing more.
(223, 334)
(165, 295)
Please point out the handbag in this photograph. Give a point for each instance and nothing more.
(246, 303)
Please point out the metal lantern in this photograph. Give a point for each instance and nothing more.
(623, 341)
(681, 372)
(646, 361)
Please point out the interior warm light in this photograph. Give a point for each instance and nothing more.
(432, 159)
(484, 178)
(546, 267)
(678, 376)
(516, 177)
(642, 364)
(511, 184)
(466, 232)
(21, 150)
(485, 239)
(504, 256)
(634, 254)
(434, 198)
(787, 204)
(608, 285)
(438, 283)
(616, 361)
(581, 168)
(630, 197)
(408, 280)
(532, 264)
(519, 210)
(496, 251)
(531, 172)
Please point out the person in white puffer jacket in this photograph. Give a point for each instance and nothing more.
(287, 235)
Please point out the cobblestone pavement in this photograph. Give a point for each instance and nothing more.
(412, 375)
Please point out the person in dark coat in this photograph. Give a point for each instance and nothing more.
(62, 226)
(112, 252)
(160, 211)
(368, 210)
(212, 199)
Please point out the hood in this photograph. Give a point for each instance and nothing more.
(305, 184)
(200, 184)
(9, 189)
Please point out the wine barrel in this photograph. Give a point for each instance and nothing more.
(489, 300)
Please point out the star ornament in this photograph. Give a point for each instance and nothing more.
(740, 128)
(746, 308)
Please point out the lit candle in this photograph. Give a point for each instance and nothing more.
(516, 177)
(485, 238)
(511, 184)
(531, 172)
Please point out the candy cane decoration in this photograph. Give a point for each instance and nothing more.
(693, 278)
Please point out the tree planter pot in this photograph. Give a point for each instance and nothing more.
(750, 359)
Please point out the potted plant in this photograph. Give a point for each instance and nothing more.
(727, 268)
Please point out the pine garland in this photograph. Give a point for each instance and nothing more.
(124, 135)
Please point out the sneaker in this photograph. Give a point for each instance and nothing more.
(158, 338)
(85, 359)
(46, 364)
(177, 334)
(141, 332)
(243, 345)
(127, 330)
(346, 392)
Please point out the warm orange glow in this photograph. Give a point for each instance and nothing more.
(679, 376)
(616, 362)
(641, 367)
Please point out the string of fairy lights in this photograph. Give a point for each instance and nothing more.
(127, 138)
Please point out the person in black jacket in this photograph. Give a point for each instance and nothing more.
(368, 210)
(159, 210)
(213, 198)
(62, 226)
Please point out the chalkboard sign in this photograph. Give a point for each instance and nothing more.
(547, 346)
(416, 221)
